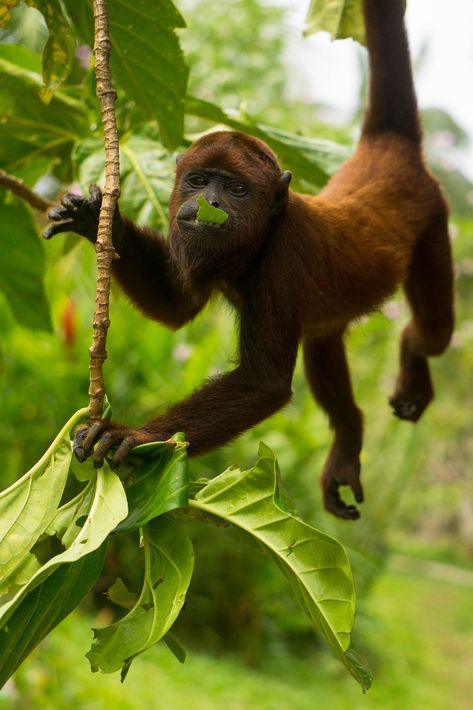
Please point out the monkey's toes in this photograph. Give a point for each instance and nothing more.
(408, 410)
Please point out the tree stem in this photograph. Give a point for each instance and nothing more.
(104, 245)
(19, 189)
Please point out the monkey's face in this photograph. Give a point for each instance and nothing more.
(221, 189)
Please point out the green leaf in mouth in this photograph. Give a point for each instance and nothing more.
(207, 213)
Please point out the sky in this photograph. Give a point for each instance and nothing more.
(445, 79)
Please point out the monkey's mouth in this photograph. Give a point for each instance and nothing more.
(194, 228)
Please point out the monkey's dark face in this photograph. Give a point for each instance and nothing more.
(221, 189)
(235, 173)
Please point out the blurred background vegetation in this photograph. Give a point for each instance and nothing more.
(248, 644)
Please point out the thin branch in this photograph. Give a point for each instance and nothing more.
(104, 245)
(19, 189)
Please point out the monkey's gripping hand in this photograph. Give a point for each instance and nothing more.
(105, 435)
(80, 214)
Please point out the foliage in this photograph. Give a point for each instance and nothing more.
(38, 595)
(21, 267)
(415, 666)
(341, 18)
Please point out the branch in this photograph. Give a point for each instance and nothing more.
(19, 189)
(104, 245)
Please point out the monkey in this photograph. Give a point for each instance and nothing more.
(297, 268)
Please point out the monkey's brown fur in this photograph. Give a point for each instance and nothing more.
(297, 268)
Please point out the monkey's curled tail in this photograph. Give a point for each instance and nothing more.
(392, 99)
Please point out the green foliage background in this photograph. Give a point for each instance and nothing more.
(417, 479)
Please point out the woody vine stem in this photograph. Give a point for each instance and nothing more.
(104, 246)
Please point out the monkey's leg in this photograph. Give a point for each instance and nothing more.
(429, 290)
(329, 378)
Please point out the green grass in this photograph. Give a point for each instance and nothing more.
(417, 635)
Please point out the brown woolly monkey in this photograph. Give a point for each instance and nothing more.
(297, 268)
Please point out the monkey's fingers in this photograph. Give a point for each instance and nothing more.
(409, 411)
(86, 438)
(95, 193)
(123, 450)
(78, 445)
(357, 489)
(58, 228)
(108, 441)
(334, 504)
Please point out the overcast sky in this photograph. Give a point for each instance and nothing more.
(330, 74)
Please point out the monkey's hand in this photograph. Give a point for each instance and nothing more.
(341, 471)
(105, 435)
(80, 214)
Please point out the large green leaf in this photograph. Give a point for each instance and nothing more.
(146, 176)
(22, 266)
(310, 159)
(169, 562)
(157, 486)
(315, 564)
(146, 59)
(341, 18)
(28, 506)
(45, 607)
(108, 507)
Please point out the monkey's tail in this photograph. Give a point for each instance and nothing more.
(392, 100)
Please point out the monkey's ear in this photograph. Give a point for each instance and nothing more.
(178, 157)
(280, 198)
(285, 178)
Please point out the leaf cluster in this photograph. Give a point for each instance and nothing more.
(38, 522)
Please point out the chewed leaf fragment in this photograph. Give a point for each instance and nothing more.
(207, 213)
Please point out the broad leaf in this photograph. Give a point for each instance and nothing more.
(341, 18)
(158, 485)
(310, 159)
(146, 59)
(315, 564)
(169, 562)
(59, 51)
(108, 507)
(22, 267)
(45, 607)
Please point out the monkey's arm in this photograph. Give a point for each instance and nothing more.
(225, 406)
(144, 270)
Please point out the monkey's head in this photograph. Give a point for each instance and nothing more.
(236, 173)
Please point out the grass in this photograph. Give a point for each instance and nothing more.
(417, 635)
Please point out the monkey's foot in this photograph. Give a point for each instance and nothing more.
(414, 391)
(411, 404)
(335, 476)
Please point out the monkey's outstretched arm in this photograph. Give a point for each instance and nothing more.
(144, 270)
(219, 411)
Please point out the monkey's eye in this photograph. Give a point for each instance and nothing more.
(197, 181)
(237, 189)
